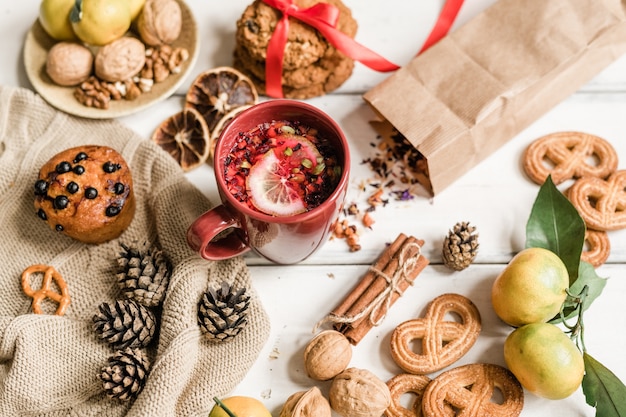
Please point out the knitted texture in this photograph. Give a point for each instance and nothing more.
(49, 364)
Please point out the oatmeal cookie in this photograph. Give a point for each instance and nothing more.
(334, 79)
(334, 65)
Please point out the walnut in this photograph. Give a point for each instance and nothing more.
(164, 52)
(120, 59)
(163, 60)
(132, 90)
(93, 93)
(160, 71)
(69, 63)
(160, 22)
(327, 355)
(359, 393)
(309, 403)
(115, 93)
(178, 57)
(145, 84)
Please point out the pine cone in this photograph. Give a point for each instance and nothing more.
(143, 273)
(125, 324)
(222, 313)
(460, 246)
(125, 374)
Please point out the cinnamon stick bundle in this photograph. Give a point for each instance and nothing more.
(385, 281)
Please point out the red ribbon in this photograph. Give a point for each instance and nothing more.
(444, 23)
(324, 17)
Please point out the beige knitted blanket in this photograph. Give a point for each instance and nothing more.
(49, 364)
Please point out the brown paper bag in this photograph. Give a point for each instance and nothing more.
(478, 87)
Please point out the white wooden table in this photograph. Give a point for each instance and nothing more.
(495, 196)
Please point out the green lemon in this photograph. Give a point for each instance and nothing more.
(240, 406)
(544, 360)
(54, 17)
(531, 288)
(98, 22)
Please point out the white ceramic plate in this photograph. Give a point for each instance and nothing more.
(36, 48)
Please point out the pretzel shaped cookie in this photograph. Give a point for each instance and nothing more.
(601, 203)
(599, 247)
(443, 341)
(467, 391)
(567, 155)
(50, 275)
(402, 384)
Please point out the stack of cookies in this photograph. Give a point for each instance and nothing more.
(311, 66)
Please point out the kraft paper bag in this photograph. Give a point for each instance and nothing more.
(481, 85)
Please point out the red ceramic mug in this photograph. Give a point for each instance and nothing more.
(234, 228)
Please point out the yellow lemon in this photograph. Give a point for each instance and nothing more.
(544, 360)
(98, 22)
(241, 406)
(135, 7)
(54, 17)
(531, 288)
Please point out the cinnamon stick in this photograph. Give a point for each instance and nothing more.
(379, 288)
(376, 282)
(410, 248)
(354, 298)
(359, 328)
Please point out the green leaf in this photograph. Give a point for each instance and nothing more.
(555, 224)
(76, 13)
(586, 276)
(603, 389)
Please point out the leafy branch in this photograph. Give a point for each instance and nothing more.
(555, 224)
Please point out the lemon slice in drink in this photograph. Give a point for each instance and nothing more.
(274, 181)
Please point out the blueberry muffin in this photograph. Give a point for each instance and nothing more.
(86, 193)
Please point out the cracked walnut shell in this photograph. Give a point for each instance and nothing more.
(120, 60)
(69, 63)
(160, 22)
(327, 355)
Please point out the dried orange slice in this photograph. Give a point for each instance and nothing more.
(221, 124)
(216, 92)
(185, 136)
(274, 182)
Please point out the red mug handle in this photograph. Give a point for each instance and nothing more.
(205, 228)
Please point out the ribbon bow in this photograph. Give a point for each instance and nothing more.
(324, 17)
